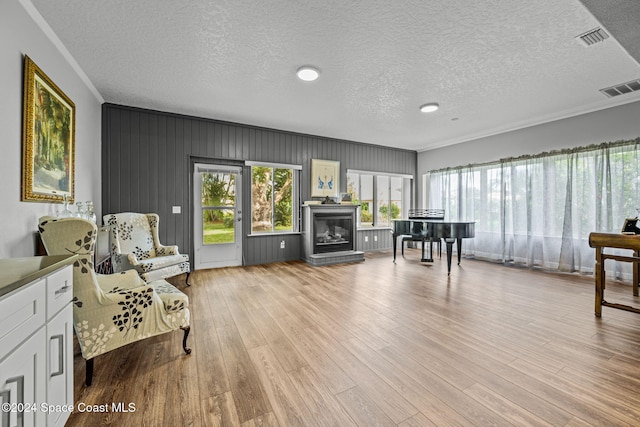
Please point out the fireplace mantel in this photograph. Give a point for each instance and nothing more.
(329, 234)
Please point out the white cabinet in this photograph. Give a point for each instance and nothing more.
(59, 346)
(22, 377)
(36, 351)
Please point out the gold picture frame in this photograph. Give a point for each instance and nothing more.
(48, 146)
(325, 178)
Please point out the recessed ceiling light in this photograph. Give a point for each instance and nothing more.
(308, 74)
(429, 108)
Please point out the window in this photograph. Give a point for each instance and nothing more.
(539, 210)
(274, 198)
(382, 200)
(395, 194)
(391, 197)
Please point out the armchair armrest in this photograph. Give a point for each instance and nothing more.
(124, 280)
(132, 259)
(142, 296)
(122, 262)
(126, 308)
(162, 250)
(118, 297)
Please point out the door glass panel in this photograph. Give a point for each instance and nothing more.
(218, 207)
(218, 189)
(218, 226)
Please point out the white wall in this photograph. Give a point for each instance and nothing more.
(20, 35)
(613, 124)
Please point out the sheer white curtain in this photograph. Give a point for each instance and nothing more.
(538, 210)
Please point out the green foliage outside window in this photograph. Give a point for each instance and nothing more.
(395, 211)
(272, 199)
(366, 216)
(218, 191)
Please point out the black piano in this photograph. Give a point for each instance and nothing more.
(430, 231)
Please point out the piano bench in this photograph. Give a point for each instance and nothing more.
(410, 238)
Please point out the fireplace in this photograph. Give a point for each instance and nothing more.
(329, 234)
(332, 233)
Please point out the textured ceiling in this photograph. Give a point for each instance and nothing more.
(493, 65)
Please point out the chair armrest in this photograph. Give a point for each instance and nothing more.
(124, 280)
(140, 295)
(133, 260)
(127, 308)
(162, 250)
(146, 292)
(121, 262)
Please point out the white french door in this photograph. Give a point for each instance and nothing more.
(217, 216)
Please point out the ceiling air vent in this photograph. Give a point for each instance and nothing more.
(628, 87)
(593, 36)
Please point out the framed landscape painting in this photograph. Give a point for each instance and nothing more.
(325, 178)
(48, 146)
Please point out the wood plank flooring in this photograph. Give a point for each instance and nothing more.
(378, 343)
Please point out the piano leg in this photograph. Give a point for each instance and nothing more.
(449, 243)
(395, 244)
(459, 249)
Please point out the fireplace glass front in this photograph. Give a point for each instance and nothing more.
(333, 233)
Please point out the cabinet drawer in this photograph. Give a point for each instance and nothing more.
(59, 290)
(21, 314)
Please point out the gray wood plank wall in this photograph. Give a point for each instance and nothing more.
(147, 166)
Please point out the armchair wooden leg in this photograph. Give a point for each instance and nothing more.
(89, 372)
(187, 279)
(184, 339)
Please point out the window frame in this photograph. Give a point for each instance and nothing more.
(407, 180)
(295, 198)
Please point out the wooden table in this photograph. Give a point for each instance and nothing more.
(600, 241)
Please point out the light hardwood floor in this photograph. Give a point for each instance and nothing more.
(378, 343)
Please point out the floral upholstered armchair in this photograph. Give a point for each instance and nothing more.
(135, 244)
(110, 311)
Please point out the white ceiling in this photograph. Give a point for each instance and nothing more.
(492, 65)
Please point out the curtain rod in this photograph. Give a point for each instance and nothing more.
(582, 149)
